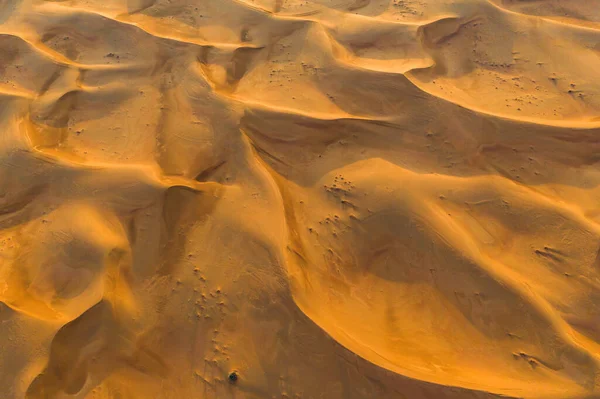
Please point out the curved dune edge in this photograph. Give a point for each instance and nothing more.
(569, 18)
(572, 124)
(349, 61)
(342, 199)
(345, 336)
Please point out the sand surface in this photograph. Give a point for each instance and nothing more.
(335, 199)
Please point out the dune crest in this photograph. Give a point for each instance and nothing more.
(299, 199)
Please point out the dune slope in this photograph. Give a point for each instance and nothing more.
(335, 199)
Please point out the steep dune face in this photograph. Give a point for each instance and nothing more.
(332, 199)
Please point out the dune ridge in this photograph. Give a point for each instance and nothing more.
(332, 198)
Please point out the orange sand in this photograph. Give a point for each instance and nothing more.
(336, 199)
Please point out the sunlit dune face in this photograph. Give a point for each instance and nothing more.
(67, 281)
(299, 199)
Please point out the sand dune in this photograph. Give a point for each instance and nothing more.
(330, 198)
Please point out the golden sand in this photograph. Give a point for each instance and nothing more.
(336, 199)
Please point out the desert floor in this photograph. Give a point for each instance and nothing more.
(328, 199)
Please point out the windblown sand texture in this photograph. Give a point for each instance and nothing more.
(336, 199)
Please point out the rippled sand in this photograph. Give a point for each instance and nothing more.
(333, 199)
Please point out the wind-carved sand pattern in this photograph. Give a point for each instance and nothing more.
(299, 199)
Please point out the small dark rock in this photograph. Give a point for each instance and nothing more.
(233, 377)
